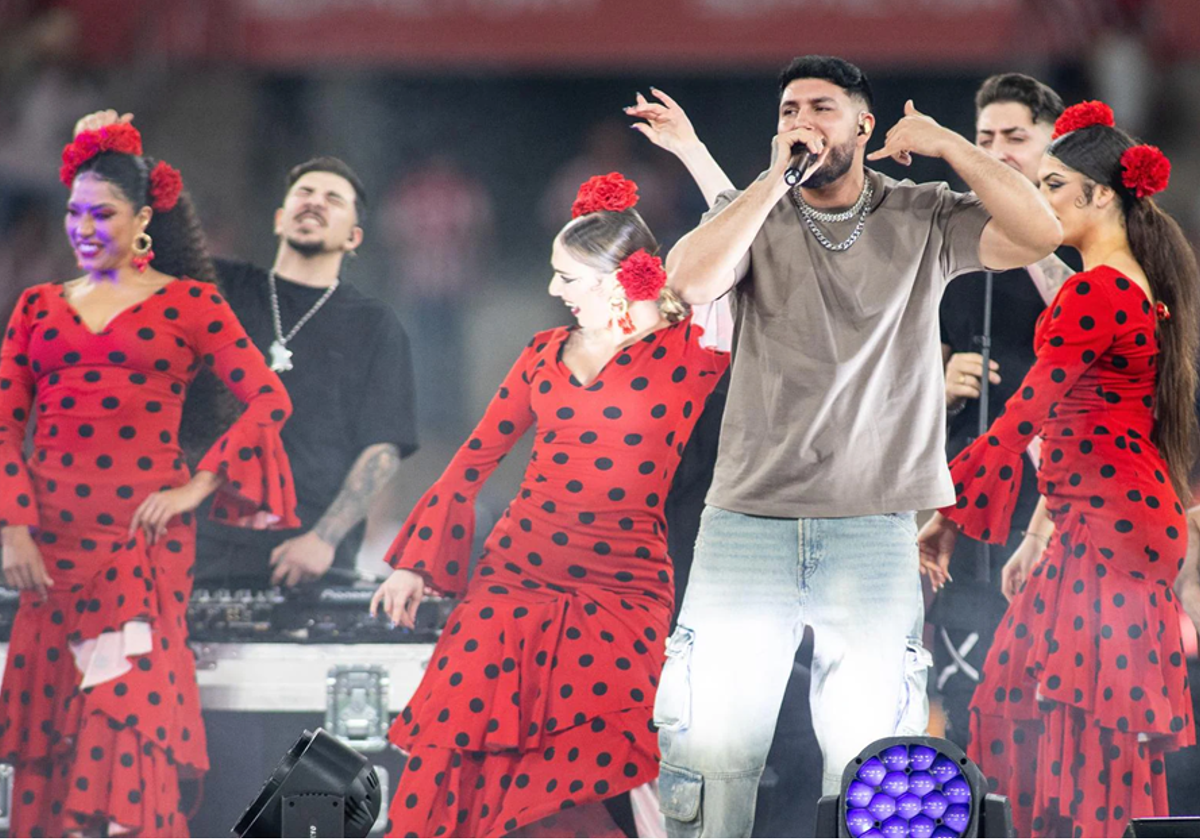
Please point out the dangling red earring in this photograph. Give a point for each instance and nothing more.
(142, 253)
(619, 314)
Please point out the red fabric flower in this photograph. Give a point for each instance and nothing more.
(642, 276)
(612, 192)
(165, 186)
(1083, 115)
(1146, 170)
(118, 137)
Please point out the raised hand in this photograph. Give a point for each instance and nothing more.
(914, 134)
(666, 124)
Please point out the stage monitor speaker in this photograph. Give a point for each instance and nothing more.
(1164, 827)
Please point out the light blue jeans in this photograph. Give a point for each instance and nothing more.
(755, 583)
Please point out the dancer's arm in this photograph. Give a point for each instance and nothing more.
(987, 474)
(248, 461)
(435, 541)
(24, 566)
(1037, 538)
(668, 127)
(1022, 229)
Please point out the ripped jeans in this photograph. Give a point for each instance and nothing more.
(755, 583)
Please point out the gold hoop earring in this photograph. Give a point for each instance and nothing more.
(142, 253)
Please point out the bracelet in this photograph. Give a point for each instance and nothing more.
(1043, 537)
(956, 408)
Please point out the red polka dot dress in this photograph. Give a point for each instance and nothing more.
(539, 695)
(1085, 688)
(99, 709)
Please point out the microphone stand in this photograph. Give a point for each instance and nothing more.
(983, 569)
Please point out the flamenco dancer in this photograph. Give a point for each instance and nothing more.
(1085, 687)
(540, 693)
(100, 709)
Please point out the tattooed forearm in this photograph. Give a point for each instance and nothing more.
(374, 467)
(1055, 271)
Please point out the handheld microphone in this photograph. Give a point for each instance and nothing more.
(801, 157)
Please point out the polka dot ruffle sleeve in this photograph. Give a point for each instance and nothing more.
(17, 505)
(435, 541)
(258, 491)
(1072, 335)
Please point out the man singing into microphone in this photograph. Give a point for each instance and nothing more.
(832, 436)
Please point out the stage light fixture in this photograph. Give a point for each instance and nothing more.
(913, 787)
(321, 788)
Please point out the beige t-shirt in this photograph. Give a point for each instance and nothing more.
(836, 403)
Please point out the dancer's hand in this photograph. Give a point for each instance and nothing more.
(400, 595)
(99, 119)
(935, 544)
(666, 125)
(964, 373)
(155, 513)
(1020, 564)
(915, 133)
(24, 567)
(301, 559)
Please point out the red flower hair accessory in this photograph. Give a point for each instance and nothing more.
(642, 276)
(1162, 311)
(1083, 115)
(613, 192)
(1145, 170)
(118, 137)
(165, 186)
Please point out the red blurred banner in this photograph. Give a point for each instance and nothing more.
(618, 35)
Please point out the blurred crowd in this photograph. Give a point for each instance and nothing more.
(469, 172)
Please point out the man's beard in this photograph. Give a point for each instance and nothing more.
(307, 249)
(840, 159)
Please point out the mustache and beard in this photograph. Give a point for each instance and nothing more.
(838, 163)
(308, 248)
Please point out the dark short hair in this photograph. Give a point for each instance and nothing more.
(1043, 103)
(336, 166)
(832, 69)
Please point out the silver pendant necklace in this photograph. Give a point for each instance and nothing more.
(810, 215)
(281, 356)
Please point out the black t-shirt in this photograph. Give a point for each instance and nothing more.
(1016, 304)
(351, 386)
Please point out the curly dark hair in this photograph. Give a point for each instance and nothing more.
(179, 251)
(840, 72)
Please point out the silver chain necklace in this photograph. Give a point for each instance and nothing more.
(281, 356)
(810, 215)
